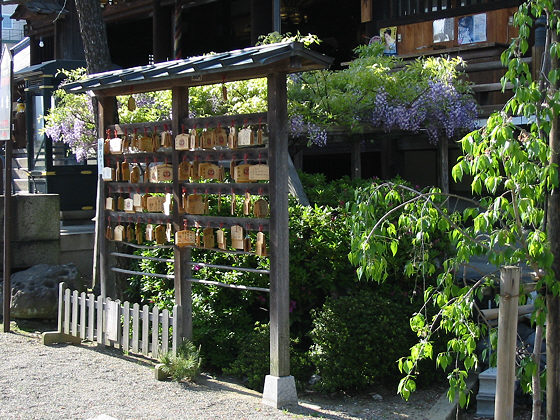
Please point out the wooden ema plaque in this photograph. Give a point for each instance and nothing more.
(208, 238)
(110, 204)
(221, 138)
(260, 246)
(129, 205)
(194, 139)
(135, 175)
(259, 172)
(182, 142)
(208, 139)
(146, 144)
(155, 204)
(237, 237)
(130, 234)
(241, 173)
(209, 171)
(260, 208)
(195, 204)
(118, 233)
(150, 232)
(108, 174)
(221, 239)
(160, 234)
(125, 171)
(115, 146)
(184, 171)
(185, 238)
(168, 204)
(232, 138)
(164, 173)
(120, 203)
(245, 137)
(166, 139)
(137, 202)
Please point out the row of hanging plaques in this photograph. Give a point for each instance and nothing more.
(190, 203)
(207, 138)
(202, 238)
(195, 171)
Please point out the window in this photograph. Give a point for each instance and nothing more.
(7, 23)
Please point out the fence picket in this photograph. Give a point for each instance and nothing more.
(67, 311)
(135, 326)
(155, 331)
(74, 323)
(145, 329)
(61, 287)
(82, 320)
(164, 331)
(91, 317)
(99, 332)
(175, 336)
(119, 329)
(126, 326)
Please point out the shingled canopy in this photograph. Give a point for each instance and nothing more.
(241, 64)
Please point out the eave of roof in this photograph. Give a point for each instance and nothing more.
(241, 64)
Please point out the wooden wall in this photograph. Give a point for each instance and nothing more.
(417, 38)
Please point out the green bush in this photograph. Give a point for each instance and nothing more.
(358, 338)
(185, 365)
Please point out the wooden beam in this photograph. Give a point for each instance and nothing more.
(507, 334)
(279, 238)
(182, 256)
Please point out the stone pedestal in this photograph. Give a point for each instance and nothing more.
(486, 393)
(279, 391)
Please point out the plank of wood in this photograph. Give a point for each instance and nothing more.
(135, 326)
(155, 332)
(83, 305)
(91, 317)
(126, 326)
(145, 329)
(99, 331)
(119, 325)
(67, 311)
(493, 313)
(175, 332)
(61, 287)
(164, 331)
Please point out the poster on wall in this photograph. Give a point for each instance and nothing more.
(444, 30)
(389, 40)
(472, 29)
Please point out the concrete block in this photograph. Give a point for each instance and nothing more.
(55, 337)
(279, 391)
(159, 374)
(34, 217)
(27, 254)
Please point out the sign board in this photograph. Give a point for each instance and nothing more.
(112, 320)
(5, 93)
(100, 157)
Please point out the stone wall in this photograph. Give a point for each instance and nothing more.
(35, 229)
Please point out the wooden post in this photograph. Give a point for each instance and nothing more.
(105, 117)
(279, 388)
(443, 160)
(356, 158)
(507, 334)
(182, 256)
(7, 287)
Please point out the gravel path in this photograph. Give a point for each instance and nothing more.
(85, 382)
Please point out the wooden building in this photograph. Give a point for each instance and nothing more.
(158, 30)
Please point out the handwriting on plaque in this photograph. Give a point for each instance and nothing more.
(259, 172)
(245, 137)
(118, 233)
(237, 237)
(241, 173)
(154, 204)
(195, 204)
(135, 174)
(208, 238)
(185, 238)
(184, 171)
(129, 205)
(209, 171)
(164, 173)
(221, 138)
(182, 142)
(110, 203)
(208, 139)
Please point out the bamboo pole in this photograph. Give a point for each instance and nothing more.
(507, 333)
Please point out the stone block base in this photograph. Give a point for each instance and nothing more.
(279, 391)
(55, 337)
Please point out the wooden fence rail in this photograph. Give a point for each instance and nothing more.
(132, 328)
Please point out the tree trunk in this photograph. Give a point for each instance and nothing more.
(94, 36)
(553, 232)
(536, 379)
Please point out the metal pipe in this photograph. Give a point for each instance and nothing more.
(140, 257)
(230, 286)
(228, 267)
(140, 273)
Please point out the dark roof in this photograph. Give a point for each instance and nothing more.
(195, 71)
(49, 68)
(40, 7)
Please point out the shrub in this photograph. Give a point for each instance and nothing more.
(185, 365)
(358, 338)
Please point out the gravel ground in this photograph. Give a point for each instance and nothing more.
(85, 382)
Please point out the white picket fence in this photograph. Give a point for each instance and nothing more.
(107, 322)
